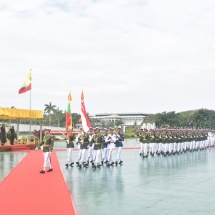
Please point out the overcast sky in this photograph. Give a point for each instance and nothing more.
(144, 56)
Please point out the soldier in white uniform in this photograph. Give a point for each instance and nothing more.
(112, 138)
(104, 146)
(91, 146)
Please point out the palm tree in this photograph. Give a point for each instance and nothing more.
(59, 113)
(49, 109)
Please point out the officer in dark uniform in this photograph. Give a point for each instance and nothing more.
(3, 135)
(104, 147)
(12, 135)
(120, 138)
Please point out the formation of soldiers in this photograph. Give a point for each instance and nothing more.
(173, 141)
(96, 148)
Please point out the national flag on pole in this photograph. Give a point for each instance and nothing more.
(27, 84)
(84, 117)
(69, 116)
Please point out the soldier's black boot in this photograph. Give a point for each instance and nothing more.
(71, 164)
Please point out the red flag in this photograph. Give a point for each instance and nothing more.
(27, 84)
(69, 116)
(84, 117)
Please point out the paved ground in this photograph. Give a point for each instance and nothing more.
(179, 184)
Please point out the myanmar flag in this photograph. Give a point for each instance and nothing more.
(27, 84)
(69, 116)
(84, 117)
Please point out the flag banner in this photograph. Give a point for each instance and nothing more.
(69, 116)
(27, 84)
(84, 117)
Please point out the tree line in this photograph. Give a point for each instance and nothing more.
(195, 119)
(200, 118)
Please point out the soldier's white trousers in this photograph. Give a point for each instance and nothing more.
(83, 155)
(104, 154)
(152, 147)
(111, 146)
(79, 152)
(69, 155)
(141, 147)
(170, 147)
(159, 147)
(118, 153)
(90, 152)
(97, 156)
(165, 147)
(145, 148)
(174, 147)
(47, 160)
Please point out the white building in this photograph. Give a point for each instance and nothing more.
(126, 118)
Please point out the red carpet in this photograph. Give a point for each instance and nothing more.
(27, 192)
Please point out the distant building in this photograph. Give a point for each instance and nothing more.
(126, 118)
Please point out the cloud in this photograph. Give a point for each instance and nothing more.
(127, 56)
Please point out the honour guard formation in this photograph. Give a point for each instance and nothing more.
(173, 141)
(98, 148)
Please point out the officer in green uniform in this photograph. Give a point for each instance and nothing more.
(83, 140)
(97, 140)
(145, 141)
(139, 134)
(48, 144)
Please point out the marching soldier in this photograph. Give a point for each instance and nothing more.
(83, 139)
(97, 140)
(112, 139)
(48, 144)
(79, 145)
(139, 134)
(69, 146)
(91, 146)
(152, 141)
(144, 139)
(104, 147)
(120, 138)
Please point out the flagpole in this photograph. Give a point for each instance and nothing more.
(30, 105)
